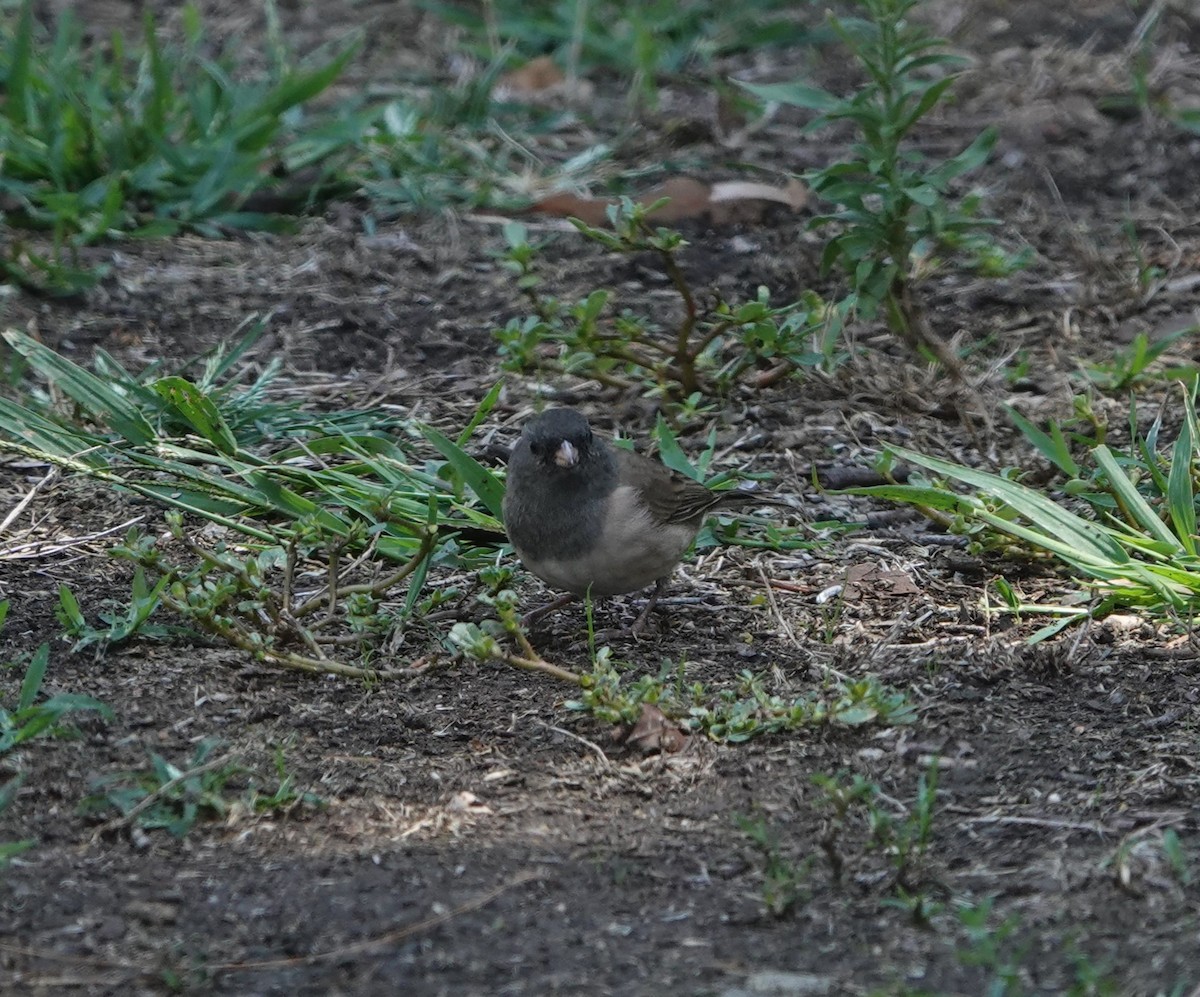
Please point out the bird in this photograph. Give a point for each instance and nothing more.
(589, 518)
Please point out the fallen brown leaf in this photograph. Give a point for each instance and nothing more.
(688, 199)
(863, 577)
(725, 203)
(653, 733)
(535, 76)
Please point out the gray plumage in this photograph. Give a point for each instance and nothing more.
(584, 515)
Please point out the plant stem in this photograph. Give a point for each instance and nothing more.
(684, 357)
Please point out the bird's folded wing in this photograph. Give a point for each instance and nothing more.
(671, 497)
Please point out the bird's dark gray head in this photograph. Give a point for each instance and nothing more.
(560, 437)
(559, 480)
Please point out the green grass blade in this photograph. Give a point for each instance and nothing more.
(1046, 515)
(195, 408)
(222, 360)
(40, 435)
(487, 487)
(255, 127)
(1131, 499)
(1181, 499)
(96, 396)
(20, 64)
(1052, 447)
(670, 452)
(33, 677)
(482, 411)
(161, 97)
(930, 497)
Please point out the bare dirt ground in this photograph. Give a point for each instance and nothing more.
(477, 838)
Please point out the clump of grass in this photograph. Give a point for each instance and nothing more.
(324, 541)
(114, 140)
(643, 42)
(1132, 544)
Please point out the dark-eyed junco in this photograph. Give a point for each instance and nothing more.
(588, 517)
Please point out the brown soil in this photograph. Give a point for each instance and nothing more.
(477, 838)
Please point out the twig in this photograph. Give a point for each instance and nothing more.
(28, 497)
(243, 641)
(1065, 825)
(582, 740)
(41, 548)
(149, 800)
(787, 627)
(371, 588)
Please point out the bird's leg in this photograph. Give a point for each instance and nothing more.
(640, 622)
(536, 614)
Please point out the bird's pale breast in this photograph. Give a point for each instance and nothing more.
(632, 552)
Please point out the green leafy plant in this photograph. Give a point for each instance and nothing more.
(1177, 857)
(285, 796)
(164, 796)
(123, 623)
(995, 948)
(1138, 549)
(28, 718)
(1130, 365)
(732, 714)
(903, 839)
(895, 214)
(783, 886)
(999, 948)
(106, 140)
(710, 348)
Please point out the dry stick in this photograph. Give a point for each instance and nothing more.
(41, 548)
(76, 960)
(373, 588)
(331, 586)
(29, 496)
(1063, 825)
(166, 787)
(289, 572)
(582, 740)
(787, 627)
